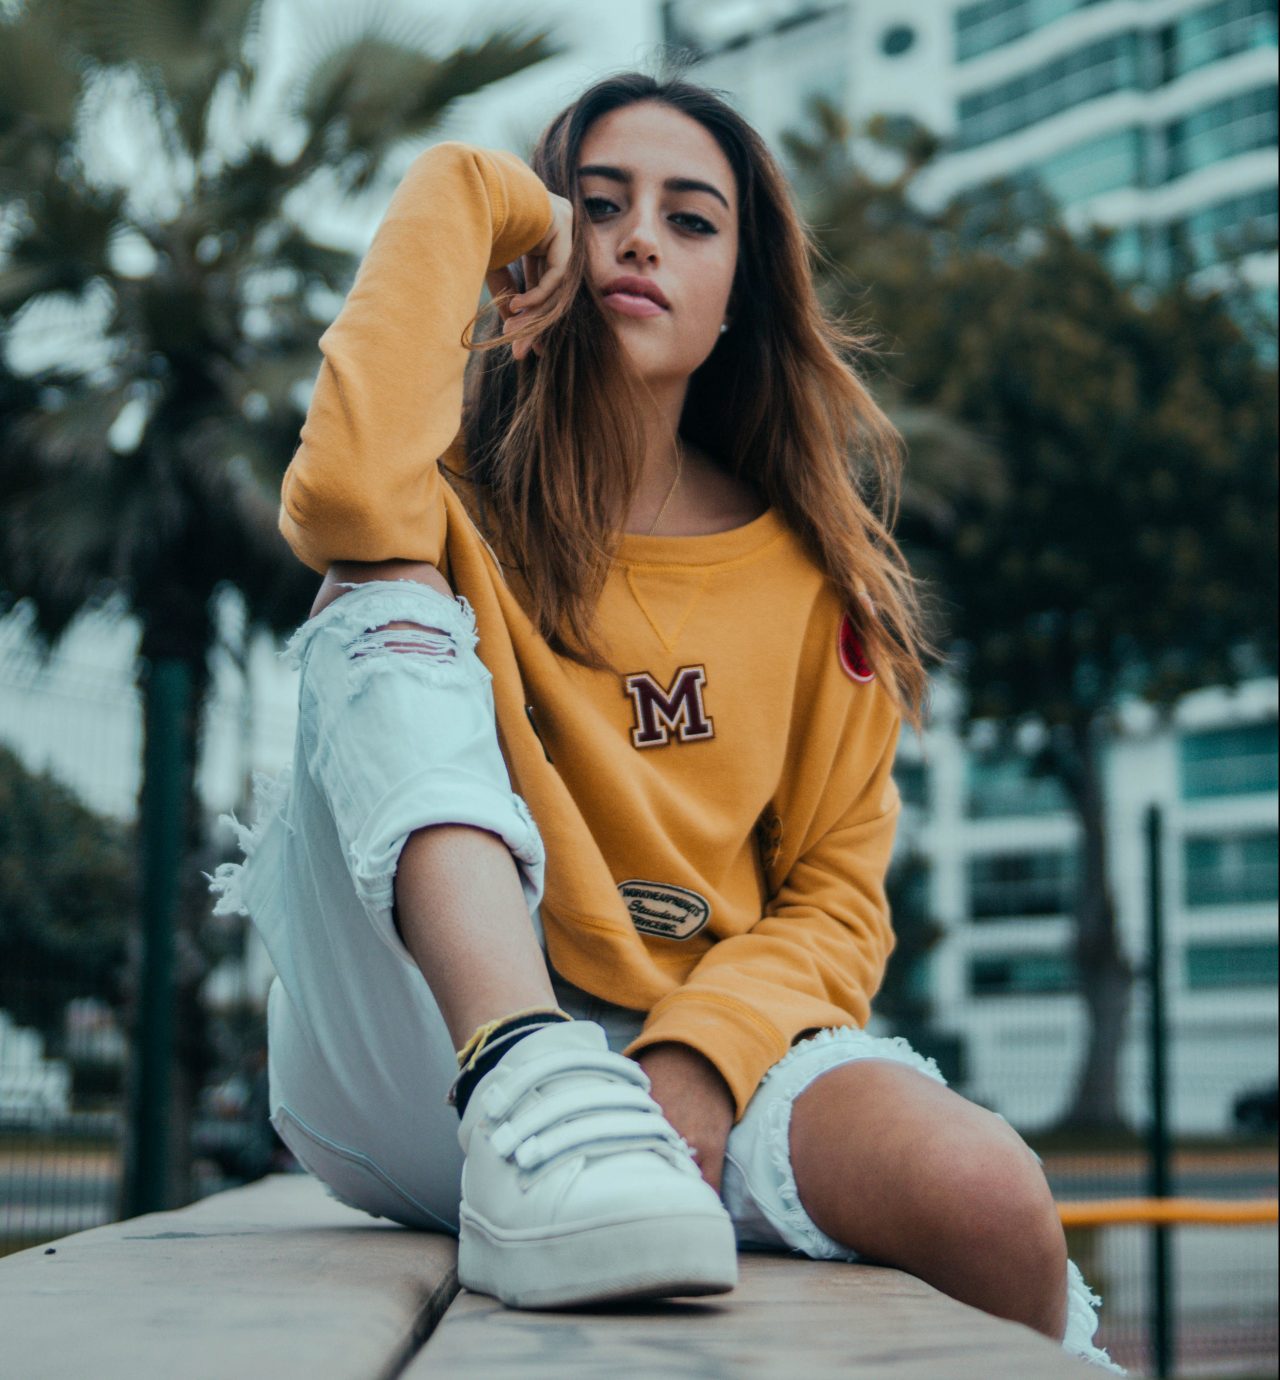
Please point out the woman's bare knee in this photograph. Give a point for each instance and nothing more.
(1006, 1234)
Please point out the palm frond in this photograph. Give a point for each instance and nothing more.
(363, 88)
(67, 431)
(39, 87)
(182, 50)
(245, 195)
(64, 244)
(313, 262)
(181, 37)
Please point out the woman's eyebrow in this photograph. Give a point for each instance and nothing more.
(672, 184)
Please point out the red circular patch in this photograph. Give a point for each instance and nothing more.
(852, 657)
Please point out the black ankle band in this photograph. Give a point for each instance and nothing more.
(501, 1039)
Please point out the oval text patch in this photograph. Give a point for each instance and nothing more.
(664, 910)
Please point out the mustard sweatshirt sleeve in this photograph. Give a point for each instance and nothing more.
(818, 953)
(364, 484)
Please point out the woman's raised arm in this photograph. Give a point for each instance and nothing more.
(363, 484)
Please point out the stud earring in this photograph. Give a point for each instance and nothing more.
(724, 326)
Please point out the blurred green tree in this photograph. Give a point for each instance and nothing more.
(142, 443)
(1128, 548)
(67, 890)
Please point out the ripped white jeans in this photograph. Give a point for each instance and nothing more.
(396, 731)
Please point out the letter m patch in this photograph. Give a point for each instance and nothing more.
(660, 713)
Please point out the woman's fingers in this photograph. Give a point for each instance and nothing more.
(502, 287)
(546, 262)
(542, 287)
(519, 348)
(546, 286)
(543, 269)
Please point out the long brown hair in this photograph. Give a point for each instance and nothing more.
(554, 443)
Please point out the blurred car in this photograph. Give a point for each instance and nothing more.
(1255, 1109)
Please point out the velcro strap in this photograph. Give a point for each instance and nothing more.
(609, 1130)
(574, 1102)
(498, 1101)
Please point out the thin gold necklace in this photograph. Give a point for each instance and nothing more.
(670, 491)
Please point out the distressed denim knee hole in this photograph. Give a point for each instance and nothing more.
(373, 604)
(427, 654)
(437, 646)
(403, 637)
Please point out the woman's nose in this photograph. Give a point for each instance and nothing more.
(639, 241)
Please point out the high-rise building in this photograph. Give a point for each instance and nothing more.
(1154, 117)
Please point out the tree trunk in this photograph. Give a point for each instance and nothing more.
(169, 1046)
(153, 1178)
(1105, 974)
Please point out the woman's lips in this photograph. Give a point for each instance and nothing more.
(630, 304)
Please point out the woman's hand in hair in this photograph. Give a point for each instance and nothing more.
(695, 1099)
(544, 269)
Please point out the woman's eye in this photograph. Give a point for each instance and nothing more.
(697, 223)
(597, 206)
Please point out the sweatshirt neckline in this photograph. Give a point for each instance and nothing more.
(705, 548)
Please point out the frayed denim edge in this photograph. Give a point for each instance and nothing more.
(1082, 1322)
(227, 881)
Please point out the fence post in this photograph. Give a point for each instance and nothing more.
(1158, 1168)
(166, 690)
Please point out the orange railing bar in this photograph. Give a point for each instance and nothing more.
(1111, 1212)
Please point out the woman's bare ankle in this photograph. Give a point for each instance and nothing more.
(462, 914)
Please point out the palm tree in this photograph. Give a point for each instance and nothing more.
(141, 449)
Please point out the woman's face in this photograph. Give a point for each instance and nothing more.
(661, 205)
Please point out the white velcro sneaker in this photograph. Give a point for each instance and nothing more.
(576, 1189)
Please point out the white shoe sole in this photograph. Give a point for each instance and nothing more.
(649, 1258)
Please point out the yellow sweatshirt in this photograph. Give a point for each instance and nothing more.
(719, 819)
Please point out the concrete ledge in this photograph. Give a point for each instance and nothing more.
(277, 1280)
(788, 1317)
(267, 1282)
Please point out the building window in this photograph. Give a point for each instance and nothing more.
(1228, 761)
(1096, 69)
(1001, 784)
(1239, 124)
(1022, 974)
(1243, 224)
(897, 39)
(1093, 167)
(1242, 963)
(913, 782)
(1218, 31)
(1231, 869)
(912, 884)
(993, 23)
(1009, 886)
(1201, 37)
(1126, 252)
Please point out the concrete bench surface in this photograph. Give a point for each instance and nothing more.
(277, 1280)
